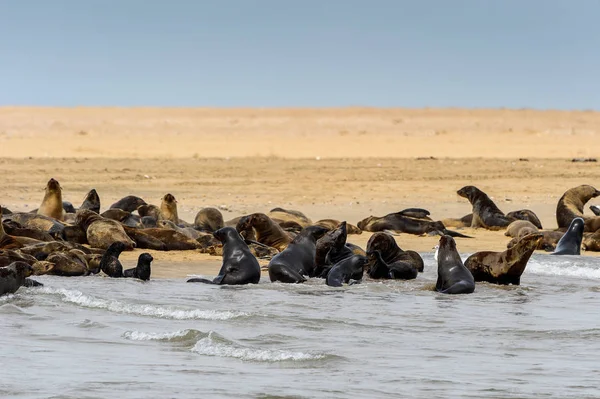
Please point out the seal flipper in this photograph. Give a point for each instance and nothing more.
(460, 287)
(452, 233)
(32, 283)
(200, 280)
(417, 213)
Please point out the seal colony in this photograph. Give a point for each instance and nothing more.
(60, 239)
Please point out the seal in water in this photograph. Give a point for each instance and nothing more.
(129, 203)
(503, 267)
(348, 269)
(332, 224)
(239, 265)
(110, 263)
(52, 202)
(570, 206)
(570, 243)
(102, 232)
(485, 213)
(388, 260)
(209, 219)
(298, 259)
(142, 270)
(13, 276)
(453, 276)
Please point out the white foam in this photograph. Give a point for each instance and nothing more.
(207, 346)
(568, 269)
(142, 336)
(79, 298)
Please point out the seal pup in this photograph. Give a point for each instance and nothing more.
(52, 203)
(102, 232)
(485, 212)
(129, 203)
(520, 228)
(571, 204)
(527, 215)
(239, 265)
(298, 259)
(91, 201)
(266, 230)
(346, 271)
(506, 267)
(142, 270)
(209, 219)
(570, 243)
(453, 276)
(110, 263)
(13, 276)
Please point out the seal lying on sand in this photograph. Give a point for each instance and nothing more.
(239, 265)
(267, 231)
(570, 206)
(290, 216)
(411, 221)
(142, 270)
(527, 215)
(570, 243)
(52, 202)
(485, 213)
(298, 259)
(503, 267)
(101, 232)
(331, 224)
(128, 204)
(520, 228)
(453, 276)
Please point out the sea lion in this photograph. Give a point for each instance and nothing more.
(13, 276)
(209, 219)
(520, 228)
(331, 224)
(298, 258)
(168, 210)
(15, 229)
(144, 240)
(485, 213)
(464, 221)
(42, 267)
(595, 209)
(332, 238)
(150, 210)
(267, 232)
(346, 270)
(8, 256)
(142, 270)
(385, 254)
(52, 202)
(186, 231)
(110, 263)
(503, 267)
(289, 215)
(571, 204)
(5, 211)
(570, 243)
(124, 217)
(128, 204)
(67, 264)
(102, 232)
(406, 221)
(239, 265)
(91, 201)
(548, 243)
(38, 222)
(525, 214)
(173, 240)
(453, 276)
(74, 234)
(149, 222)
(591, 241)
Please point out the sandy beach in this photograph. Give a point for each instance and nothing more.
(345, 164)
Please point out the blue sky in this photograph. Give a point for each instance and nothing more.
(304, 53)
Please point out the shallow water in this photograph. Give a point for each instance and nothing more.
(95, 337)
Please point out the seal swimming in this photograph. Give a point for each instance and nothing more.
(453, 276)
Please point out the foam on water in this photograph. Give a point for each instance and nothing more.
(168, 336)
(79, 298)
(211, 346)
(570, 266)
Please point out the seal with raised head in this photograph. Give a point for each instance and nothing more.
(347, 270)
(13, 276)
(142, 270)
(129, 203)
(388, 260)
(209, 219)
(110, 263)
(506, 267)
(570, 243)
(168, 210)
(52, 204)
(298, 259)
(266, 230)
(485, 212)
(102, 232)
(570, 206)
(239, 265)
(453, 276)
(91, 201)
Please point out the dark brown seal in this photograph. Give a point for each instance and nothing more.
(91, 201)
(129, 203)
(411, 221)
(485, 213)
(571, 204)
(290, 215)
(388, 260)
(504, 267)
(267, 231)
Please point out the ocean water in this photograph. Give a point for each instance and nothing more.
(96, 337)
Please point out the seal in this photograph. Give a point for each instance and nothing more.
(464, 221)
(290, 216)
(91, 201)
(168, 210)
(15, 229)
(142, 270)
(570, 206)
(298, 259)
(388, 260)
(37, 222)
(266, 230)
(110, 263)
(209, 219)
(101, 232)
(128, 204)
(52, 202)
(506, 267)
(332, 224)
(13, 276)
(239, 265)
(453, 276)
(520, 228)
(173, 240)
(346, 271)
(68, 263)
(186, 231)
(410, 221)
(570, 243)
(150, 210)
(525, 214)
(485, 213)
(124, 217)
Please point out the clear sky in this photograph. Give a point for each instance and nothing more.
(305, 53)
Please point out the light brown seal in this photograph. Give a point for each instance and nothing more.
(571, 204)
(102, 232)
(267, 231)
(290, 215)
(52, 204)
(520, 228)
(209, 219)
(332, 224)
